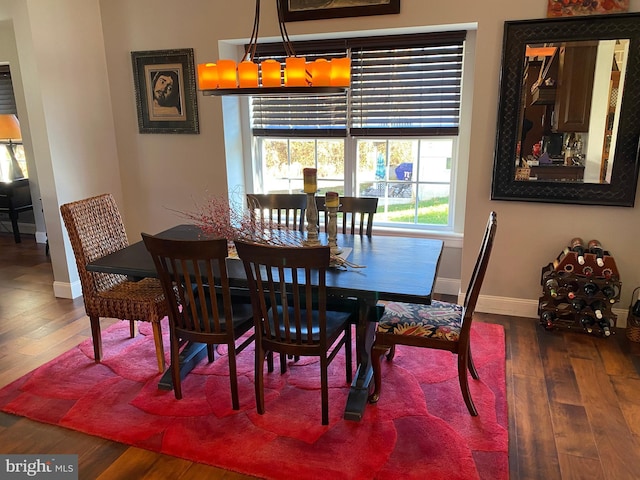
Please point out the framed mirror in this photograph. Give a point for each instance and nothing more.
(569, 111)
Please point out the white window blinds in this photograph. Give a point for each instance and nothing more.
(7, 100)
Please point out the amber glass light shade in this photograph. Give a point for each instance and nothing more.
(295, 72)
(271, 76)
(340, 72)
(227, 75)
(321, 73)
(207, 76)
(248, 74)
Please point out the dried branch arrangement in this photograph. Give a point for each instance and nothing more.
(220, 218)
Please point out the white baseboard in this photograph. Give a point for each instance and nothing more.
(67, 290)
(26, 228)
(527, 308)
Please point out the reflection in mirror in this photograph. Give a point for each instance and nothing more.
(571, 95)
(569, 112)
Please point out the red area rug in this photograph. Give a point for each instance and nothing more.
(420, 428)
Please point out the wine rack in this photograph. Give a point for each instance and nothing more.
(580, 296)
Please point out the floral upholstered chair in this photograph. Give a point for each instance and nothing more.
(440, 325)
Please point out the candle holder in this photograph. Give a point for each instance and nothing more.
(312, 220)
(332, 229)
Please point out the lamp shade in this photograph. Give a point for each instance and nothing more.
(207, 76)
(247, 74)
(9, 127)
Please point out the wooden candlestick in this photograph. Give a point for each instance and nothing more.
(332, 228)
(312, 220)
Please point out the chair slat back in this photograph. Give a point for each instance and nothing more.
(279, 208)
(355, 214)
(479, 270)
(288, 288)
(95, 229)
(194, 279)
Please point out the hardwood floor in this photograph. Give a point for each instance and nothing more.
(574, 400)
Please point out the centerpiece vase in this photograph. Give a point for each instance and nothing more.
(312, 220)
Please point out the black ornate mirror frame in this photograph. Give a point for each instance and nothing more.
(517, 34)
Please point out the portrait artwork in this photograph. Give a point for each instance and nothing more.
(165, 91)
(165, 87)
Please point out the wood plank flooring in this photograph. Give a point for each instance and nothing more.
(574, 400)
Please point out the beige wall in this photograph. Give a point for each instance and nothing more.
(158, 173)
(63, 68)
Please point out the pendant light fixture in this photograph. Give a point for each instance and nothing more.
(320, 77)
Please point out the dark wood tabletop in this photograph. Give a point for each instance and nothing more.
(394, 268)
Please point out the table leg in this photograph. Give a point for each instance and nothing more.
(189, 358)
(359, 393)
(13, 216)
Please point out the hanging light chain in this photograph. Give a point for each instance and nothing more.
(286, 42)
(250, 51)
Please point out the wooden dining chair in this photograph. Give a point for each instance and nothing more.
(355, 214)
(440, 325)
(279, 209)
(194, 278)
(290, 313)
(96, 229)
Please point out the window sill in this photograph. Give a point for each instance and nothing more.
(451, 239)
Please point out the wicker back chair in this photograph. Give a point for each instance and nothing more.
(96, 229)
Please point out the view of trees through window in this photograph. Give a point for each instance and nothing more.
(411, 177)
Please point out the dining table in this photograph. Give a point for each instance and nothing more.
(382, 268)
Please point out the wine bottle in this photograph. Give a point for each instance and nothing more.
(597, 307)
(590, 288)
(605, 326)
(577, 245)
(578, 304)
(610, 292)
(572, 289)
(552, 286)
(547, 318)
(587, 323)
(595, 247)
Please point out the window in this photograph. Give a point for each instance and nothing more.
(393, 135)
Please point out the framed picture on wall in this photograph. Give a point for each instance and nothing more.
(564, 8)
(294, 10)
(165, 86)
